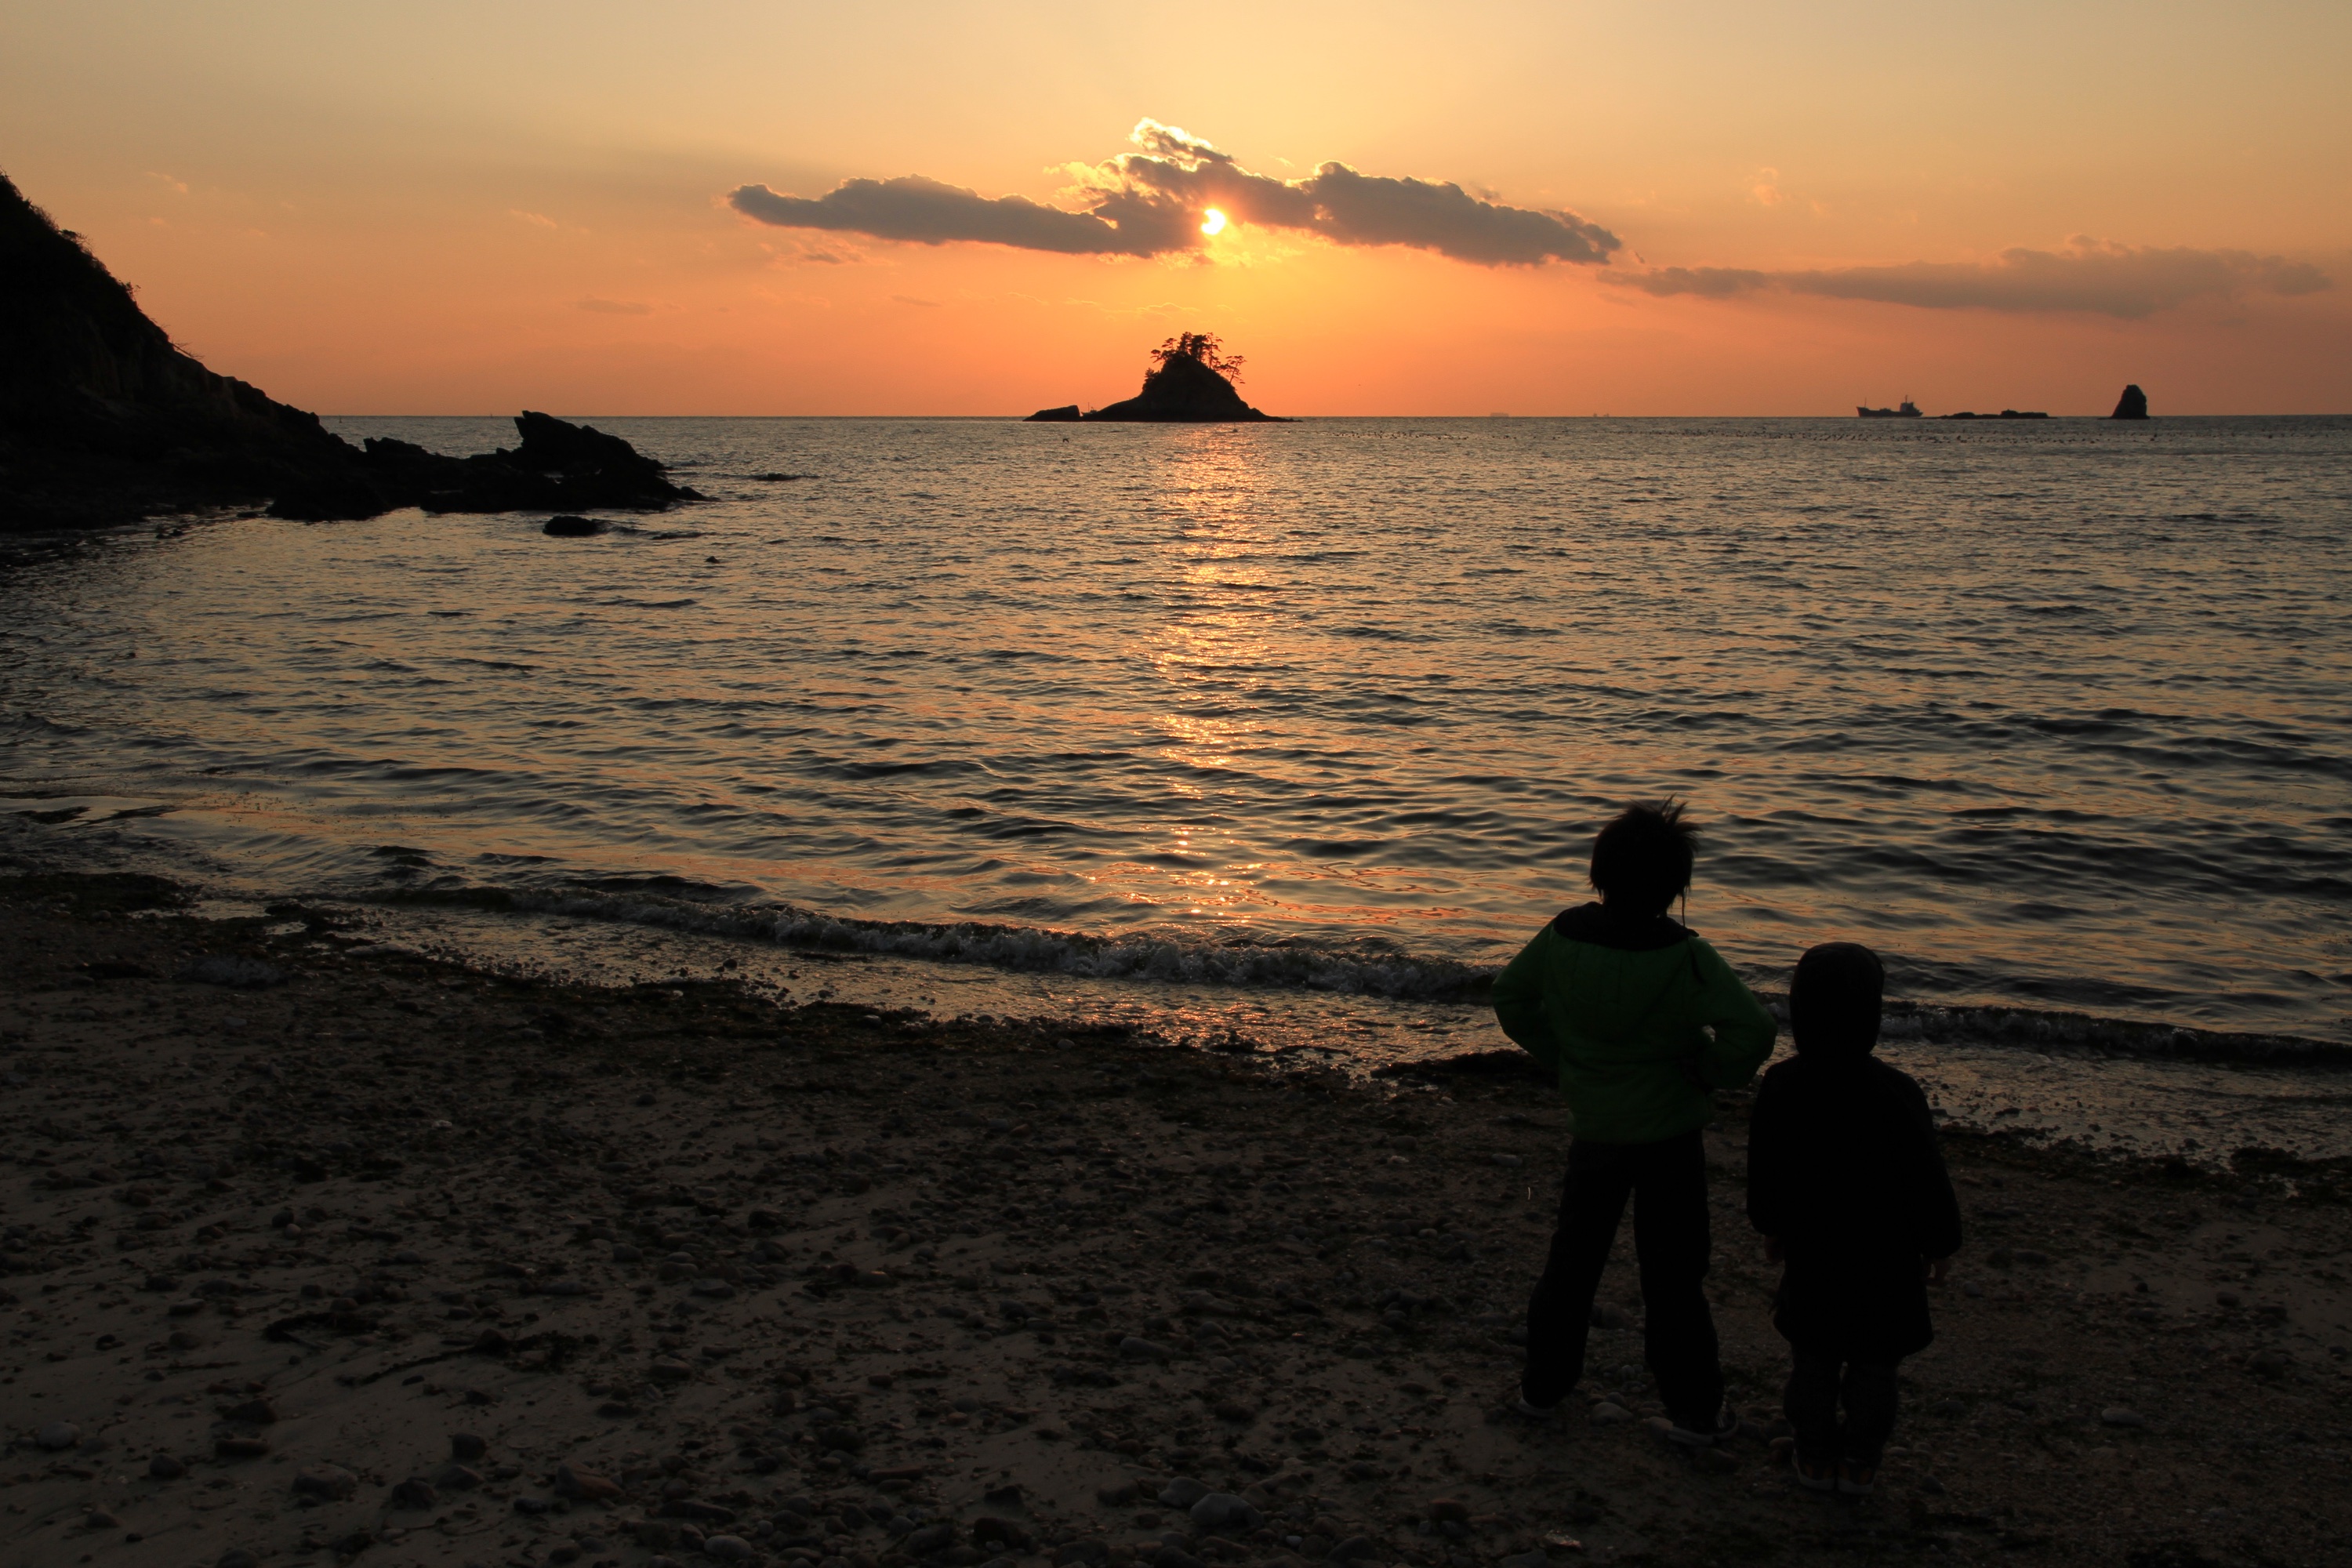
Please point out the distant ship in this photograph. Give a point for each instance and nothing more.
(1909, 410)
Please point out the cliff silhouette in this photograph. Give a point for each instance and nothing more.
(2132, 405)
(1191, 384)
(104, 419)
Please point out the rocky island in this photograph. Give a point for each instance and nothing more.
(2132, 405)
(1192, 383)
(104, 419)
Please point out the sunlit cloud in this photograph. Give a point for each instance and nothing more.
(1157, 201)
(535, 220)
(2095, 275)
(616, 306)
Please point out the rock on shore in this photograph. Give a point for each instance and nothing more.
(104, 419)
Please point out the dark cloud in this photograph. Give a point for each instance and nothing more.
(1149, 203)
(2089, 275)
(929, 212)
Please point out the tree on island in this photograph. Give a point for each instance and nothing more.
(1202, 349)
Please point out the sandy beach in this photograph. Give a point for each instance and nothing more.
(318, 1248)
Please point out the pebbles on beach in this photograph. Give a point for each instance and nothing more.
(722, 1282)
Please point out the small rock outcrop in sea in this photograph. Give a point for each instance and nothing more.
(1191, 384)
(2132, 405)
(104, 419)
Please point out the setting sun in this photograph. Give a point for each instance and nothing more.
(1212, 222)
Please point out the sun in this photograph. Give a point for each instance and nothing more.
(1212, 222)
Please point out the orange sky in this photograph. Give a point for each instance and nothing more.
(442, 208)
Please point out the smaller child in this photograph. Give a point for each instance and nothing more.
(1847, 1185)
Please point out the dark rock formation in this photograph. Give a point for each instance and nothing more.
(1182, 390)
(1065, 414)
(572, 527)
(102, 419)
(2132, 405)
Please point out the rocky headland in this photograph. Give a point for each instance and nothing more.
(104, 419)
(319, 1247)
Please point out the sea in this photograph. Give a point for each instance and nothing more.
(1282, 739)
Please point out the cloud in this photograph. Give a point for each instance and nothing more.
(2089, 275)
(1149, 203)
(616, 306)
(537, 220)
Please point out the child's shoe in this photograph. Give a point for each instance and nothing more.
(1521, 1407)
(1856, 1480)
(1727, 1426)
(1813, 1475)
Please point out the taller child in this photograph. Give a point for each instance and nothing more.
(1641, 1022)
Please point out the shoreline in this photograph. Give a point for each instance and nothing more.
(290, 1235)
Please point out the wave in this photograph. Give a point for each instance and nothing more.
(1167, 960)
(677, 904)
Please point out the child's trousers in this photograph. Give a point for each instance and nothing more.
(1818, 1382)
(1667, 1184)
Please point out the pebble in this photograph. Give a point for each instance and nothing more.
(2122, 1415)
(1225, 1511)
(415, 1494)
(1183, 1492)
(59, 1435)
(99, 1519)
(1134, 1349)
(585, 1485)
(466, 1445)
(1535, 1558)
(331, 1482)
(1608, 1415)
(1354, 1549)
(163, 1468)
(729, 1549)
(236, 1557)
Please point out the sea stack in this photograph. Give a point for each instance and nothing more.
(1191, 383)
(2132, 405)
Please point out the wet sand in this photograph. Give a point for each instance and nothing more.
(317, 1247)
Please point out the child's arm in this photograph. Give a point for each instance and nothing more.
(1519, 1002)
(1934, 1207)
(1764, 1160)
(1744, 1031)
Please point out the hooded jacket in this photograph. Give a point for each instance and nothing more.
(1843, 1170)
(1639, 1020)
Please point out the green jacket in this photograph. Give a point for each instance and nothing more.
(1640, 1019)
